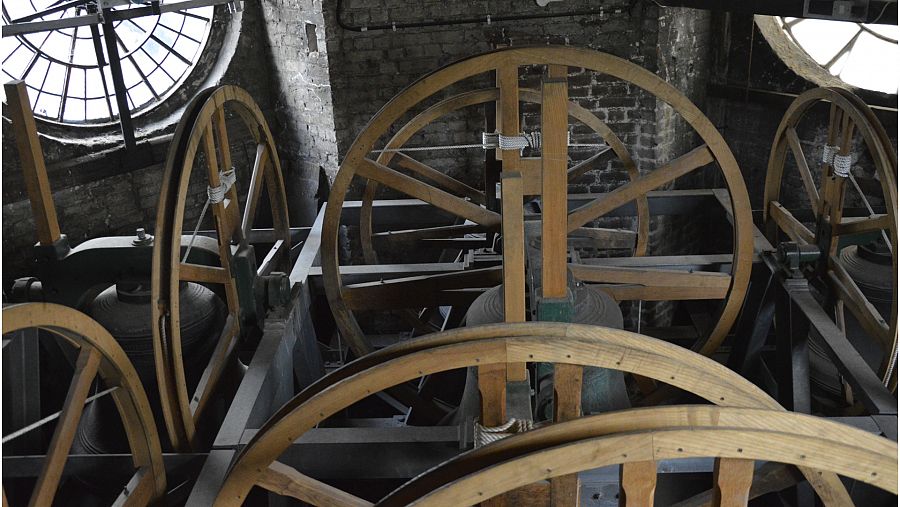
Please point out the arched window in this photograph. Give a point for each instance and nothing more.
(67, 84)
(860, 55)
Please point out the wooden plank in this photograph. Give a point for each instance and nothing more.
(790, 225)
(508, 113)
(637, 484)
(513, 260)
(554, 132)
(732, 479)
(492, 387)
(694, 159)
(287, 481)
(32, 158)
(451, 184)
(86, 367)
(438, 198)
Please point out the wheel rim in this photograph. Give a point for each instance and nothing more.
(203, 127)
(780, 222)
(99, 355)
(715, 147)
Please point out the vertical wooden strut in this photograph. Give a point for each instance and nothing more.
(513, 260)
(554, 153)
(35, 172)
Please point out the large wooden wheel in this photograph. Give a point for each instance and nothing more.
(203, 129)
(828, 196)
(432, 291)
(488, 97)
(478, 346)
(635, 242)
(637, 439)
(98, 354)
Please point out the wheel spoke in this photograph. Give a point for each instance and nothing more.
(637, 483)
(863, 225)
(199, 273)
(86, 367)
(287, 481)
(803, 167)
(420, 291)
(442, 232)
(210, 378)
(696, 158)
(584, 166)
(854, 300)
(790, 225)
(255, 190)
(655, 284)
(606, 238)
(732, 478)
(449, 183)
(434, 196)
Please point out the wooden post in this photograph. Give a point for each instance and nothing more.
(36, 183)
(513, 260)
(567, 378)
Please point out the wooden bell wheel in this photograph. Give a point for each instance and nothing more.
(477, 346)
(98, 354)
(637, 439)
(831, 192)
(430, 291)
(202, 139)
(488, 97)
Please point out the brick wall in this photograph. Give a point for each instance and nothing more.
(295, 35)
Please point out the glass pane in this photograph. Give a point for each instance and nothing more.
(822, 39)
(47, 105)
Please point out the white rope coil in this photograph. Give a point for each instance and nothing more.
(842, 164)
(214, 195)
(226, 181)
(828, 153)
(487, 434)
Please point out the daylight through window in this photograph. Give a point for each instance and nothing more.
(60, 67)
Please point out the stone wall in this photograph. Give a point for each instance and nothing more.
(751, 88)
(100, 189)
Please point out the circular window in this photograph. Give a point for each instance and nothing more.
(67, 84)
(860, 55)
